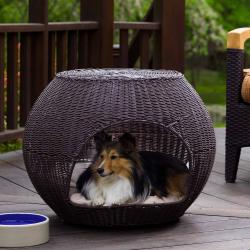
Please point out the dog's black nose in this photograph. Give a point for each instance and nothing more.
(100, 171)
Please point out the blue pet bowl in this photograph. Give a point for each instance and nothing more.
(23, 229)
(21, 219)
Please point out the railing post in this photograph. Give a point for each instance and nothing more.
(38, 13)
(169, 44)
(100, 42)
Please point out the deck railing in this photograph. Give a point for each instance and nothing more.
(32, 53)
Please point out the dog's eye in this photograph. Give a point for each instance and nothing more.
(113, 157)
(101, 156)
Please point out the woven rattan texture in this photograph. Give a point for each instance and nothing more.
(238, 113)
(160, 108)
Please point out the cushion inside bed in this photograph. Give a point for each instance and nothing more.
(78, 199)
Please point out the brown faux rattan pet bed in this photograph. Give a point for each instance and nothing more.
(160, 108)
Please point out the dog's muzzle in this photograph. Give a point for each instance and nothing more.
(101, 172)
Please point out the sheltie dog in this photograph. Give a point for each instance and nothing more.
(120, 174)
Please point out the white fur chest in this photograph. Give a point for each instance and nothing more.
(109, 191)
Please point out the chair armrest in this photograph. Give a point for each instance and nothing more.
(236, 38)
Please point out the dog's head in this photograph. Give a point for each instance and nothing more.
(115, 158)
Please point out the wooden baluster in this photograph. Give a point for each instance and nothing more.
(38, 13)
(2, 105)
(135, 42)
(169, 40)
(123, 48)
(144, 49)
(61, 55)
(100, 45)
(25, 74)
(72, 49)
(12, 80)
(83, 55)
(51, 55)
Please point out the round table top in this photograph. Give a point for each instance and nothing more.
(119, 74)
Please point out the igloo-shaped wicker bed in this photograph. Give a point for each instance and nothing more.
(160, 108)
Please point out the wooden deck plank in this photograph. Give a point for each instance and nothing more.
(9, 188)
(28, 199)
(209, 201)
(21, 207)
(60, 228)
(14, 158)
(237, 193)
(221, 245)
(150, 238)
(242, 175)
(183, 233)
(16, 175)
(219, 218)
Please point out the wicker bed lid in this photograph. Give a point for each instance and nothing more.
(124, 74)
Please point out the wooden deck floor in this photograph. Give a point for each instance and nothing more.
(219, 218)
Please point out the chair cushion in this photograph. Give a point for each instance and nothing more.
(245, 89)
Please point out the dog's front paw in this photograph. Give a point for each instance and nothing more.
(111, 202)
(98, 201)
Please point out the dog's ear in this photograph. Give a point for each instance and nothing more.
(128, 141)
(101, 139)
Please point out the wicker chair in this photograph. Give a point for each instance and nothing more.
(160, 108)
(238, 99)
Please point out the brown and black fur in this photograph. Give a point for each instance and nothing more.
(121, 159)
(152, 173)
(167, 174)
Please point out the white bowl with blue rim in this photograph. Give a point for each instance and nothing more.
(23, 229)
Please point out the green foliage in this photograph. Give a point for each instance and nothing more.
(212, 90)
(64, 10)
(211, 87)
(13, 11)
(68, 10)
(10, 146)
(131, 10)
(16, 11)
(233, 13)
(203, 29)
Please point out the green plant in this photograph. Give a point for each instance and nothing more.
(64, 10)
(14, 11)
(10, 146)
(131, 10)
(204, 34)
(211, 86)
